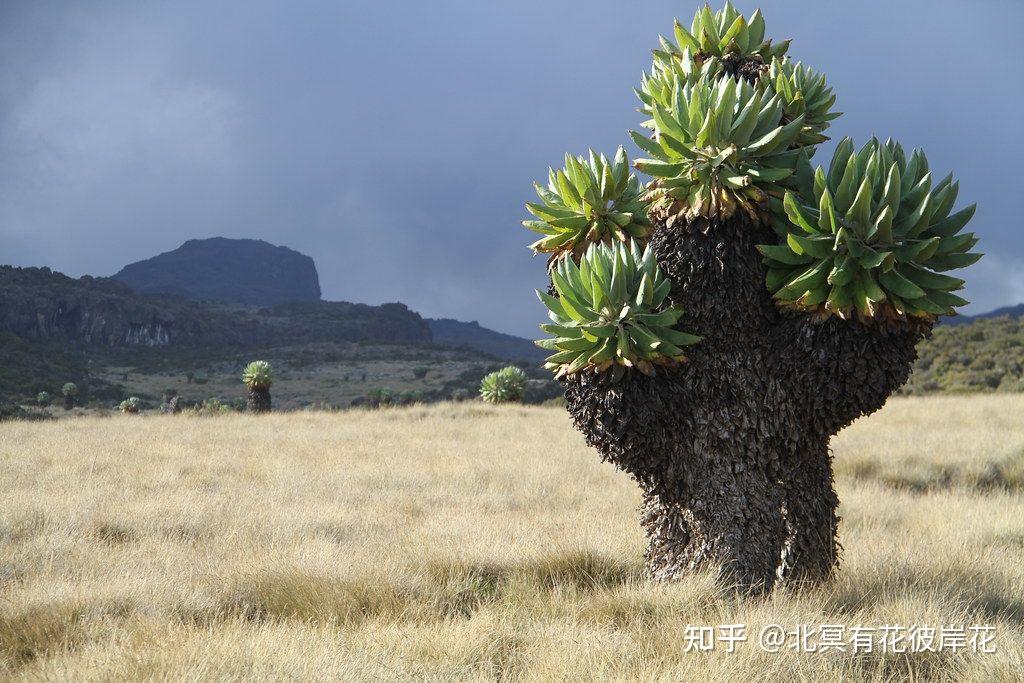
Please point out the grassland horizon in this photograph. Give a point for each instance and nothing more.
(473, 542)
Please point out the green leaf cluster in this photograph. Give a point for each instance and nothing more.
(257, 375)
(718, 145)
(130, 405)
(876, 239)
(611, 312)
(804, 93)
(503, 386)
(725, 33)
(591, 199)
(659, 87)
(69, 389)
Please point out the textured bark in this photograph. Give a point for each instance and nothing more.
(731, 448)
(69, 402)
(811, 550)
(259, 400)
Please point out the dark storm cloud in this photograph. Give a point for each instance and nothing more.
(396, 142)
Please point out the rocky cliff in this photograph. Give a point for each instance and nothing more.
(38, 304)
(238, 271)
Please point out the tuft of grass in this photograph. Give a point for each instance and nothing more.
(113, 533)
(22, 525)
(293, 595)
(39, 630)
(582, 570)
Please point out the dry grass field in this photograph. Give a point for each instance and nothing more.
(469, 542)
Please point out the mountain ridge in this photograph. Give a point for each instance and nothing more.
(472, 334)
(242, 271)
(1015, 311)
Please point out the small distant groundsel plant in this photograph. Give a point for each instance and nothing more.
(611, 313)
(257, 377)
(43, 399)
(70, 392)
(130, 405)
(503, 386)
(591, 199)
(257, 374)
(875, 239)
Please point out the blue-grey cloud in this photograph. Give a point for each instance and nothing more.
(396, 143)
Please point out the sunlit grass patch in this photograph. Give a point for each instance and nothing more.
(467, 542)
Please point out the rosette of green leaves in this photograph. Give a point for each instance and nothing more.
(717, 145)
(726, 35)
(659, 87)
(257, 375)
(130, 405)
(876, 240)
(589, 200)
(610, 312)
(503, 386)
(804, 93)
(69, 389)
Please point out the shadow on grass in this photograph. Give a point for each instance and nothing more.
(1004, 474)
(982, 592)
(33, 633)
(447, 590)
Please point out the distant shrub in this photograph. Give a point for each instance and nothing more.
(984, 355)
(410, 397)
(420, 372)
(504, 386)
(381, 397)
(130, 405)
(43, 398)
(210, 407)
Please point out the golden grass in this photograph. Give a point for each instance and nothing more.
(465, 541)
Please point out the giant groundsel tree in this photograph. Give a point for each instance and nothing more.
(257, 377)
(715, 325)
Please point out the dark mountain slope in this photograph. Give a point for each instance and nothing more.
(40, 305)
(1006, 311)
(471, 335)
(236, 271)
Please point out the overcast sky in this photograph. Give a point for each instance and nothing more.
(396, 142)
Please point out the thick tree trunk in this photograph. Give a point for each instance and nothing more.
(259, 400)
(811, 550)
(731, 526)
(731, 449)
(69, 402)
